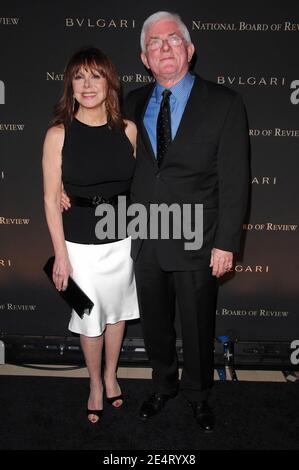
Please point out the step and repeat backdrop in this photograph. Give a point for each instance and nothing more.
(250, 47)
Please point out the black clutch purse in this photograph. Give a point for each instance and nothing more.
(73, 295)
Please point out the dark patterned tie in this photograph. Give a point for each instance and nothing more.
(163, 127)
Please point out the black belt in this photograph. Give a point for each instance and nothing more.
(95, 200)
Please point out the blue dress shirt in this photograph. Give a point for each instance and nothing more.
(180, 93)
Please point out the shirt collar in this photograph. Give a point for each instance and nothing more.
(178, 90)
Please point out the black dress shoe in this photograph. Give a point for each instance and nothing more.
(153, 405)
(204, 416)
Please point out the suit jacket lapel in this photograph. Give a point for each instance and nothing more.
(142, 105)
(193, 114)
(192, 117)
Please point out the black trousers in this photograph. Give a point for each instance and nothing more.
(196, 293)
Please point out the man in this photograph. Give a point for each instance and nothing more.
(192, 148)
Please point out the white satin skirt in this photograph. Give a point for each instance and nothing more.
(105, 273)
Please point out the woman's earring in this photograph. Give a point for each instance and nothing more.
(74, 101)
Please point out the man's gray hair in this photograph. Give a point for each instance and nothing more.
(163, 15)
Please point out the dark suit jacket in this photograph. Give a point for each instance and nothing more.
(208, 163)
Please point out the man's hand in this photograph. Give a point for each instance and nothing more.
(64, 201)
(221, 261)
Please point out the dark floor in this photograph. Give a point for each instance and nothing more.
(49, 413)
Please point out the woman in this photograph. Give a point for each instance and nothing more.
(90, 149)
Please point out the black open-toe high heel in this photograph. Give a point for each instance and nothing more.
(97, 413)
(112, 400)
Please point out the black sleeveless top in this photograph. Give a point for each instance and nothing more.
(96, 161)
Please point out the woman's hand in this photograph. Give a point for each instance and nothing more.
(64, 201)
(61, 272)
